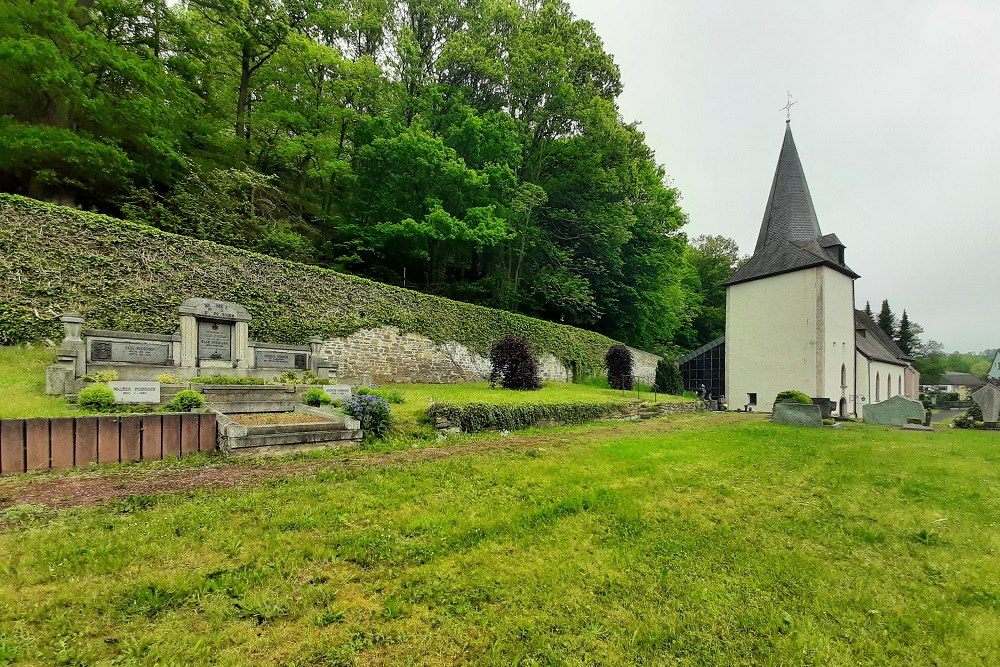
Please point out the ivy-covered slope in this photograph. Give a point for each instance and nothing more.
(131, 277)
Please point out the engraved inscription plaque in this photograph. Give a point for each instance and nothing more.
(140, 353)
(215, 341)
(274, 359)
(136, 392)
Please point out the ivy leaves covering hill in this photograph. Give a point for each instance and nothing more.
(469, 148)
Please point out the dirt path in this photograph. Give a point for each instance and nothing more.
(81, 489)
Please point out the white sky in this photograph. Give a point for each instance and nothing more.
(897, 125)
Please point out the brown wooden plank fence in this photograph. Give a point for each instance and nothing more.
(67, 442)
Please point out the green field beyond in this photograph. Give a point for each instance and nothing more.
(703, 540)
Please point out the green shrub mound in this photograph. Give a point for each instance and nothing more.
(97, 397)
(187, 400)
(668, 377)
(792, 396)
(88, 263)
(316, 397)
(476, 417)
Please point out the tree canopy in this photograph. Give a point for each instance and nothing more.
(469, 148)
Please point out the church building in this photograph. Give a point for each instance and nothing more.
(791, 321)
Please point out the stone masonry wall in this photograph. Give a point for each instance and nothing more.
(387, 356)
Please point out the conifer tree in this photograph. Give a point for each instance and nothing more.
(886, 320)
(868, 310)
(906, 336)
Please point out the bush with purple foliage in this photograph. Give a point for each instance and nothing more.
(513, 364)
(620, 368)
(372, 411)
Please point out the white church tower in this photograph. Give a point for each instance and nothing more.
(790, 308)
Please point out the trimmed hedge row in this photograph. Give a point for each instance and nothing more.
(126, 276)
(476, 417)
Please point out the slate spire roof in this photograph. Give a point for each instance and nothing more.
(790, 238)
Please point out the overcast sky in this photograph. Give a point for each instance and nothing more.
(897, 125)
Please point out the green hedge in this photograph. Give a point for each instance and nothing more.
(130, 277)
(476, 417)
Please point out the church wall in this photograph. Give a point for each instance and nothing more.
(871, 371)
(836, 331)
(771, 337)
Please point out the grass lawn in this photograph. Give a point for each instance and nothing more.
(702, 540)
(22, 385)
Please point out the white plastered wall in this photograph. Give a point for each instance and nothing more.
(836, 329)
(870, 372)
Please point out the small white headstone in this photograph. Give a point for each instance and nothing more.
(130, 391)
(338, 392)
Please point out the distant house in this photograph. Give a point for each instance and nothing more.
(962, 384)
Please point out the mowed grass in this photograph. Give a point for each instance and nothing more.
(417, 397)
(700, 541)
(22, 385)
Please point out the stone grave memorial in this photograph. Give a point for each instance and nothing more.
(988, 400)
(797, 414)
(893, 411)
(212, 339)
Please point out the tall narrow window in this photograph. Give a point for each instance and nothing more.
(843, 376)
(888, 385)
(900, 385)
(878, 388)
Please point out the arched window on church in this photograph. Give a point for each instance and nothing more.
(878, 387)
(900, 380)
(843, 375)
(888, 385)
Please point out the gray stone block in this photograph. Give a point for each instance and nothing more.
(797, 414)
(893, 411)
(988, 400)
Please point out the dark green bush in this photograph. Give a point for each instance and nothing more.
(668, 377)
(97, 397)
(792, 396)
(187, 400)
(620, 367)
(475, 417)
(316, 397)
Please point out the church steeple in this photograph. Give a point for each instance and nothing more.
(790, 238)
(790, 215)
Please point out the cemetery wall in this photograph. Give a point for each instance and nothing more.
(124, 276)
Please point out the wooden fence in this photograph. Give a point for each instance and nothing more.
(44, 444)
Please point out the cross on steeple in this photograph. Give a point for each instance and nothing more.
(788, 108)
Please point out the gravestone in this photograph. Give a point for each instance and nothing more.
(988, 400)
(825, 406)
(214, 334)
(215, 340)
(280, 359)
(131, 352)
(338, 392)
(797, 414)
(893, 411)
(136, 392)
